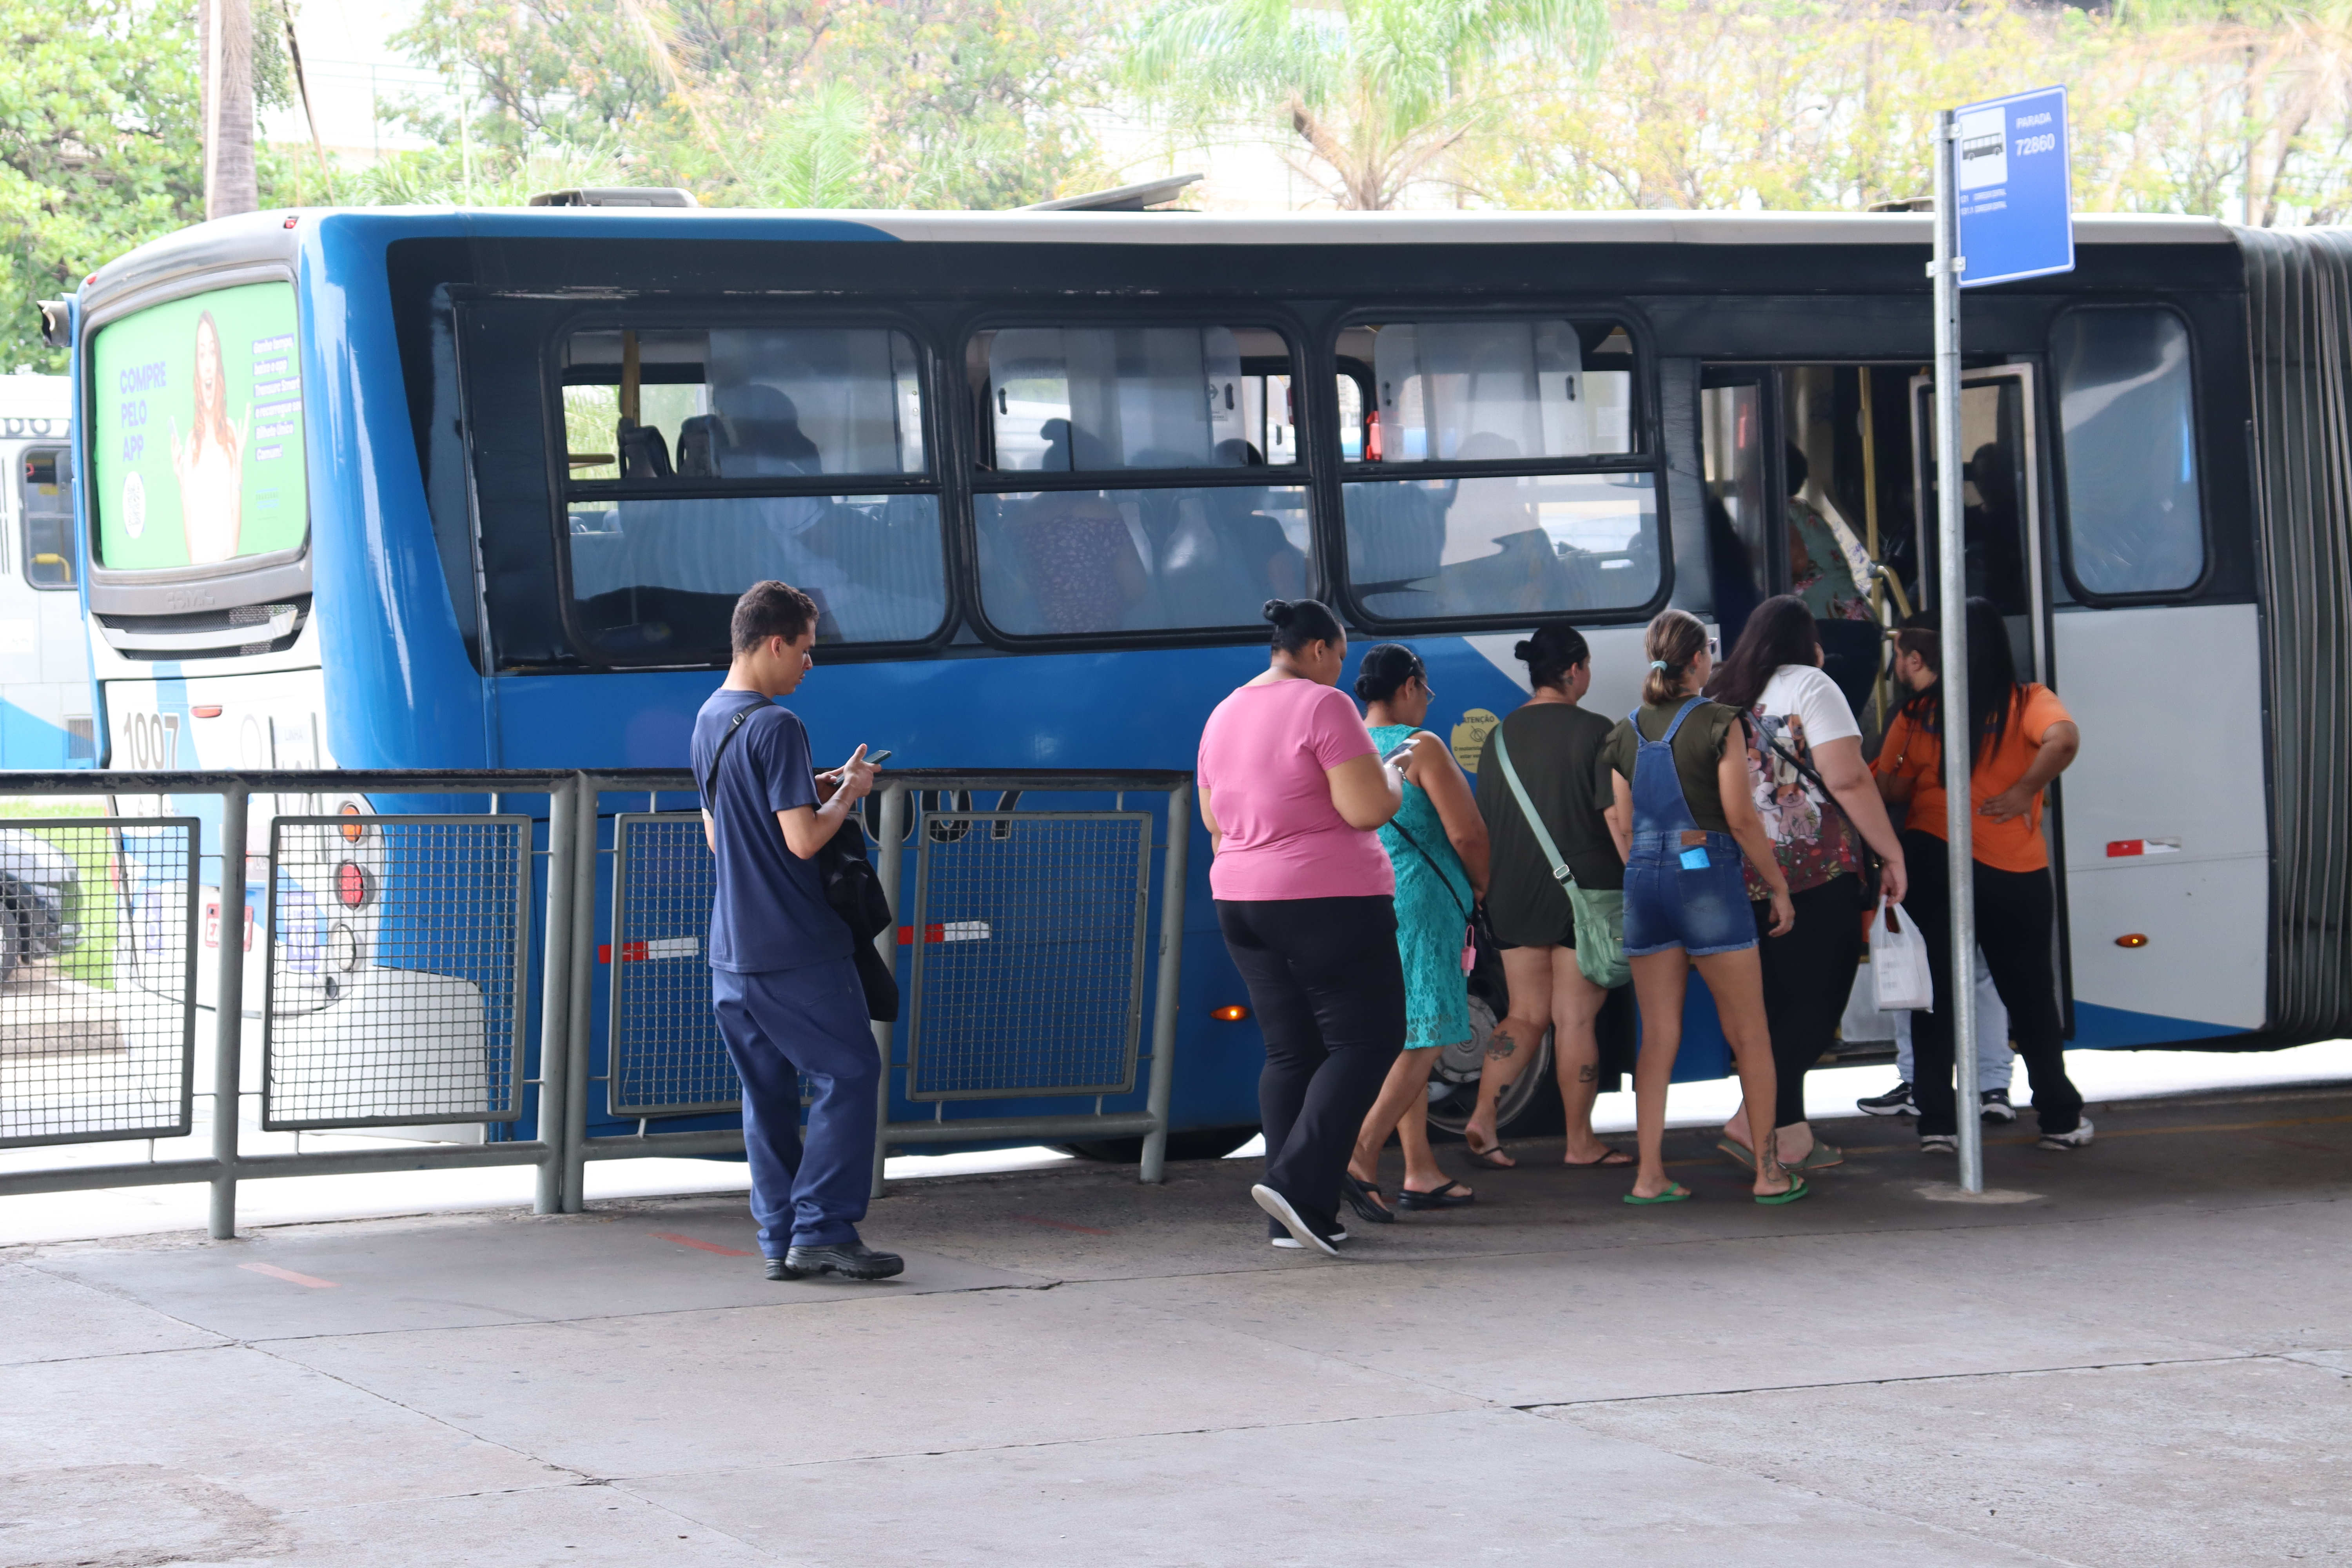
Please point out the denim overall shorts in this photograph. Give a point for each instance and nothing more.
(1683, 886)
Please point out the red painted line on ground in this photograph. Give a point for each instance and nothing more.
(1059, 1225)
(671, 1236)
(290, 1275)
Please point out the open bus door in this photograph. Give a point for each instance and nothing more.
(2006, 546)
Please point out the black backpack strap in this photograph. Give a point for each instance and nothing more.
(703, 789)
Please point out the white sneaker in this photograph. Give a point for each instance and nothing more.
(1292, 1244)
(2078, 1138)
(1301, 1233)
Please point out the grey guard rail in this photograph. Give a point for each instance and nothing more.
(894, 788)
(228, 1164)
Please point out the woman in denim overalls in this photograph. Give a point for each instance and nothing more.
(1686, 899)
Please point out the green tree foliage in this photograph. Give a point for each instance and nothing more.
(2233, 109)
(783, 102)
(1378, 91)
(99, 148)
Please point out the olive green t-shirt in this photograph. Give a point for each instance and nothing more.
(1698, 747)
(1556, 752)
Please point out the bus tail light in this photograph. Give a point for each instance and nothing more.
(352, 832)
(353, 886)
(2136, 939)
(1231, 1013)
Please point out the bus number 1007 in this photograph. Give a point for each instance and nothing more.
(151, 742)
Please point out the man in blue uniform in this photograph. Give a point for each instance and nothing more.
(781, 976)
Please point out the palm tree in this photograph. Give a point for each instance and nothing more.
(1377, 89)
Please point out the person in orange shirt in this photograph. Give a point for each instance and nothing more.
(2023, 739)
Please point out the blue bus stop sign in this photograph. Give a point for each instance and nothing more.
(2009, 169)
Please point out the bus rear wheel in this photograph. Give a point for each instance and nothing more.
(1197, 1144)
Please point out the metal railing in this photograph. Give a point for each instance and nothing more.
(390, 955)
(1015, 1015)
(101, 1030)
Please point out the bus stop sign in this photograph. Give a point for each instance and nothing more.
(2015, 214)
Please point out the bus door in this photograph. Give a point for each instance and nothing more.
(1805, 470)
(2006, 547)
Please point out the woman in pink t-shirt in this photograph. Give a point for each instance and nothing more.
(1293, 795)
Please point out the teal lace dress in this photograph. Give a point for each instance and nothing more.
(1432, 904)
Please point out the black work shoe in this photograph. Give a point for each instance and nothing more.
(1895, 1101)
(851, 1260)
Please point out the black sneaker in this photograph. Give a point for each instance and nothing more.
(1895, 1101)
(1997, 1107)
(851, 1261)
(1290, 1243)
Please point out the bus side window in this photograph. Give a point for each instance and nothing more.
(48, 522)
(2134, 522)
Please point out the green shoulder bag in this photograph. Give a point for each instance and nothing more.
(1598, 913)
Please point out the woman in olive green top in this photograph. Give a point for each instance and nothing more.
(1684, 819)
(1555, 748)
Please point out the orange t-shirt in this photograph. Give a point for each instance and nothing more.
(1911, 753)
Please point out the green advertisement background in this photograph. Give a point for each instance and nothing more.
(143, 391)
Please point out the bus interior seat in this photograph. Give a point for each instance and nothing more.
(697, 456)
(643, 454)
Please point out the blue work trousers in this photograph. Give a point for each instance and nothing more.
(779, 1025)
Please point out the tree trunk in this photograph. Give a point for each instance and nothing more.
(224, 46)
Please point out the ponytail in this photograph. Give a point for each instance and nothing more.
(1673, 641)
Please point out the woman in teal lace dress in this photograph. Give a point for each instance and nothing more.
(1437, 844)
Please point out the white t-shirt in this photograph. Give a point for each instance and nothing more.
(1801, 709)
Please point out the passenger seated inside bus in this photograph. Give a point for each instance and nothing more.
(659, 573)
(1156, 550)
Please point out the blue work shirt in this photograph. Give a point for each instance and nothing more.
(769, 912)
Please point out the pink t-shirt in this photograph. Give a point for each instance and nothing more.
(1263, 758)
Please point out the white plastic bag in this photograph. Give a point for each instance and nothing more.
(1864, 1023)
(1899, 962)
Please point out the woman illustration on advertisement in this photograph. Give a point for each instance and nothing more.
(210, 464)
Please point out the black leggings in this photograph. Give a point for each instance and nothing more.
(1327, 987)
(2017, 923)
(1808, 977)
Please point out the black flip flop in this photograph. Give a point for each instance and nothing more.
(1445, 1197)
(1364, 1197)
(1490, 1157)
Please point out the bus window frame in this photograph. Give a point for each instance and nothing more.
(239, 581)
(932, 480)
(1305, 475)
(24, 552)
(1649, 457)
(2062, 529)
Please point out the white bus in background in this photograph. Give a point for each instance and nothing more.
(44, 693)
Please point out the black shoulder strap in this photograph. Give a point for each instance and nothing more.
(705, 788)
(1442, 879)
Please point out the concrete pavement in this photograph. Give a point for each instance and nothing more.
(2144, 1356)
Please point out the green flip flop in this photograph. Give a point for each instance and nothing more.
(1797, 1189)
(1673, 1195)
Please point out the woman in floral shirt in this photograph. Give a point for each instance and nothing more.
(1799, 723)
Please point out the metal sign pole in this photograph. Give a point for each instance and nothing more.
(1951, 566)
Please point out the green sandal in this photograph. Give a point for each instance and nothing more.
(1797, 1189)
(1673, 1195)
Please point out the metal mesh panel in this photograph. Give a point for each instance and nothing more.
(1027, 941)
(98, 954)
(397, 949)
(668, 1056)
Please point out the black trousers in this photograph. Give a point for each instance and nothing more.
(1808, 978)
(2016, 923)
(1328, 987)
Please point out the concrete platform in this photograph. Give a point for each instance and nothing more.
(2144, 1356)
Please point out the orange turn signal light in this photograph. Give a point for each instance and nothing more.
(2136, 939)
(352, 831)
(1230, 1014)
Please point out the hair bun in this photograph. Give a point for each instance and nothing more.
(1280, 612)
(1523, 650)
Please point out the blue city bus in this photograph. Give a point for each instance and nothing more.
(481, 486)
